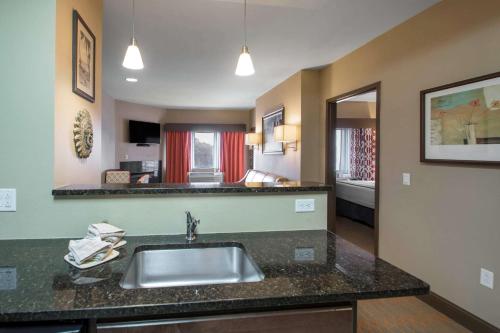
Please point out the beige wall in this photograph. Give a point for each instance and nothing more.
(445, 226)
(126, 151)
(207, 116)
(68, 168)
(251, 121)
(310, 119)
(355, 123)
(108, 129)
(299, 94)
(287, 93)
(365, 110)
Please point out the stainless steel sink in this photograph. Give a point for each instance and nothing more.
(156, 266)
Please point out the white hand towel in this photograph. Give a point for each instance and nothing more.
(105, 232)
(83, 250)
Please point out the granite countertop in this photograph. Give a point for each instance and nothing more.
(46, 288)
(188, 188)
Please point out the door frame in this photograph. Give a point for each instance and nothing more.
(330, 144)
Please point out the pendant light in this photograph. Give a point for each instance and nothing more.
(133, 59)
(245, 65)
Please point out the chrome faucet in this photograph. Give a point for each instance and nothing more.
(191, 224)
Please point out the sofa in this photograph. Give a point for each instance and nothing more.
(256, 176)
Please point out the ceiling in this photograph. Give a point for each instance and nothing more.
(190, 47)
(366, 97)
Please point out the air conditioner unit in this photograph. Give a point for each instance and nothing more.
(205, 177)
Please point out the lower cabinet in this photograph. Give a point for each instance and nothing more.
(330, 320)
(49, 328)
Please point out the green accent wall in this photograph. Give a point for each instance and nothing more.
(27, 33)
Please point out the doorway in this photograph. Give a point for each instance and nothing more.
(353, 165)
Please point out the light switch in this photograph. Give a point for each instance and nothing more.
(487, 278)
(8, 200)
(406, 179)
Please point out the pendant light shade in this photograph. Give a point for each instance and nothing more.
(133, 59)
(245, 64)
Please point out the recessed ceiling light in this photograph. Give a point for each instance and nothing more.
(131, 79)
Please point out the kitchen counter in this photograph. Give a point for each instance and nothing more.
(187, 188)
(301, 268)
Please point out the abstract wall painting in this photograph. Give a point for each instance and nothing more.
(460, 122)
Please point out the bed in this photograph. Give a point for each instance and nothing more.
(356, 200)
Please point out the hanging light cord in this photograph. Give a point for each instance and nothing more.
(245, 21)
(133, 20)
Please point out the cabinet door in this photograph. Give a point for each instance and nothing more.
(49, 328)
(332, 320)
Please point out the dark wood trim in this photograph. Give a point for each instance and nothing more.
(331, 211)
(354, 316)
(278, 109)
(378, 166)
(205, 127)
(76, 18)
(423, 159)
(461, 316)
(89, 326)
(331, 119)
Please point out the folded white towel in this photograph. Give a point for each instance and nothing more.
(105, 232)
(84, 250)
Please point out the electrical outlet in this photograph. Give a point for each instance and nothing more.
(8, 278)
(406, 179)
(304, 254)
(304, 205)
(8, 200)
(487, 278)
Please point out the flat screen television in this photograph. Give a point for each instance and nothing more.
(143, 132)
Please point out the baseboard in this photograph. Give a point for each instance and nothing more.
(461, 316)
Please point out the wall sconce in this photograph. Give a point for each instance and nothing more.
(286, 134)
(253, 140)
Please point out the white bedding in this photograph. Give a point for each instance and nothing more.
(361, 192)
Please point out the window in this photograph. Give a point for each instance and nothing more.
(343, 147)
(205, 148)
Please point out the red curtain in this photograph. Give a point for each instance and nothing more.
(178, 156)
(233, 156)
(363, 144)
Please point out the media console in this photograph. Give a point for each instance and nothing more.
(138, 169)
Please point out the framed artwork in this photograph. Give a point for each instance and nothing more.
(460, 122)
(269, 121)
(83, 59)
